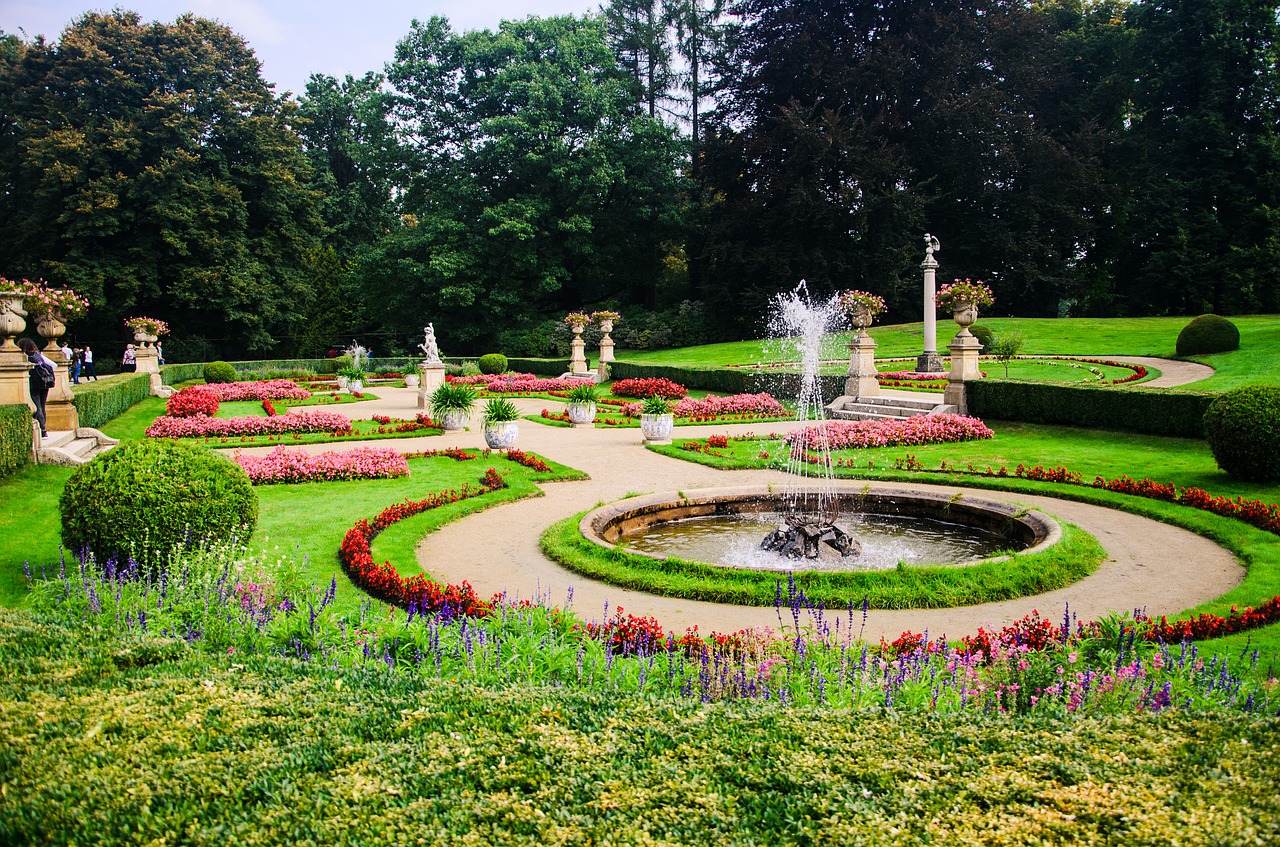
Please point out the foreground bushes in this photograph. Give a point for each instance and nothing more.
(148, 498)
(1149, 410)
(15, 438)
(1243, 430)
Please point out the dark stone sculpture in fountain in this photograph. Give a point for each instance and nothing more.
(802, 536)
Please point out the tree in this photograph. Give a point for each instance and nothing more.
(1005, 347)
(638, 35)
(538, 184)
(149, 167)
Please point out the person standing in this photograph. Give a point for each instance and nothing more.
(159, 354)
(39, 379)
(67, 352)
(130, 361)
(89, 372)
(77, 357)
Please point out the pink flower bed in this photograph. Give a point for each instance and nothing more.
(914, 376)
(203, 426)
(920, 429)
(760, 405)
(271, 389)
(520, 383)
(293, 464)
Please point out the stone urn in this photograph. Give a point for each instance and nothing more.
(342, 383)
(501, 435)
(146, 339)
(454, 420)
(411, 381)
(965, 315)
(354, 385)
(582, 414)
(51, 325)
(657, 427)
(12, 316)
(861, 318)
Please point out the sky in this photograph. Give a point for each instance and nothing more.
(296, 38)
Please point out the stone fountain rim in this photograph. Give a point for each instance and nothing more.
(1047, 532)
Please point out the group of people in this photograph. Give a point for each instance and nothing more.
(79, 360)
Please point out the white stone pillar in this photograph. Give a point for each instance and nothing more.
(929, 361)
(430, 377)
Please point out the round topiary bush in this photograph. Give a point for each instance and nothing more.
(493, 363)
(1243, 430)
(983, 333)
(219, 372)
(146, 498)
(1208, 334)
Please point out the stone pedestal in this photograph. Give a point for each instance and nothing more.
(606, 342)
(59, 410)
(14, 367)
(430, 377)
(861, 377)
(964, 367)
(578, 359)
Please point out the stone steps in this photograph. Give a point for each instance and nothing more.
(886, 408)
(72, 447)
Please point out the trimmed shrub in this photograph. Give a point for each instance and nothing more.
(1243, 430)
(174, 374)
(99, 402)
(1150, 410)
(1208, 334)
(983, 333)
(15, 438)
(541, 367)
(147, 498)
(493, 363)
(215, 372)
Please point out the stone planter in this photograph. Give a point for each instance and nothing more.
(146, 339)
(342, 383)
(51, 326)
(657, 428)
(354, 385)
(454, 420)
(501, 435)
(411, 381)
(965, 315)
(861, 318)
(582, 414)
(12, 316)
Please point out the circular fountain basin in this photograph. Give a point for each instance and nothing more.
(893, 524)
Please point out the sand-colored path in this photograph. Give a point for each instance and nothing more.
(1150, 565)
(1172, 371)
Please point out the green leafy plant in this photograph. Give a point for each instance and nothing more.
(148, 498)
(216, 372)
(1243, 430)
(1005, 348)
(983, 333)
(656, 405)
(493, 363)
(584, 393)
(500, 410)
(352, 374)
(451, 397)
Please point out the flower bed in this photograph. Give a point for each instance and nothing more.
(293, 464)
(648, 387)
(203, 426)
(192, 401)
(918, 429)
(271, 389)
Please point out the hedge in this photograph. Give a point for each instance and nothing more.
(1151, 411)
(728, 380)
(15, 437)
(98, 403)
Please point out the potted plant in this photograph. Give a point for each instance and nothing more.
(453, 404)
(500, 424)
(963, 297)
(861, 307)
(656, 420)
(582, 404)
(351, 378)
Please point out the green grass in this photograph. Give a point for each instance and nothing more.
(1073, 558)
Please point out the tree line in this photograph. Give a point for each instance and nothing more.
(679, 160)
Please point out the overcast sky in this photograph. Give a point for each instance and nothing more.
(296, 38)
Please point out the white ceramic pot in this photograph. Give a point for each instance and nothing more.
(501, 435)
(454, 420)
(354, 385)
(582, 413)
(411, 381)
(657, 427)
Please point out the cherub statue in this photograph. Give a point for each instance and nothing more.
(430, 350)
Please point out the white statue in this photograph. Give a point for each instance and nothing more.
(931, 245)
(428, 345)
(356, 352)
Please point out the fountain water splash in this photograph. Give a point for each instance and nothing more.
(801, 324)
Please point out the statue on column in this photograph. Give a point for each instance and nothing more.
(430, 350)
(931, 245)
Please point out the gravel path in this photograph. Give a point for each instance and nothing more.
(1149, 565)
(1172, 372)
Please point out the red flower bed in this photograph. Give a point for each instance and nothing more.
(191, 401)
(269, 408)
(528, 460)
(650, 387)
(1210, 626)
(627, 633)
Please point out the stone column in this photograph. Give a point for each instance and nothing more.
(430, 377)
(14, 367)
(929, 361)
(60, 412)
(606, 348)
(578, 361)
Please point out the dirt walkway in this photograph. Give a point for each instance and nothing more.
(1150, 565)
(1172, 371)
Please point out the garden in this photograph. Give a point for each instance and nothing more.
(348, 642)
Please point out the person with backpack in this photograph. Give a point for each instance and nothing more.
(39, 380)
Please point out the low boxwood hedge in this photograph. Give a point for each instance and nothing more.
(15, 438)
(99, 402)
(1152, 411)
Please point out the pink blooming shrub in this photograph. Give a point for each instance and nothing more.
(914, 376)
(202, 426)
(293, 464)
(271, 389)
(919, 429)
(708, 408)
(529, 383)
